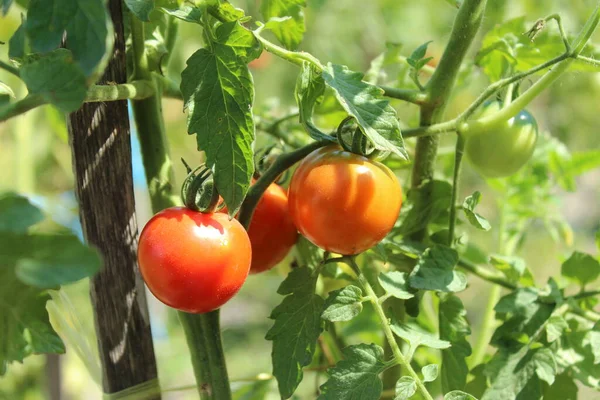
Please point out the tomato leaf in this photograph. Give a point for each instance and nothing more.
(185, 13)
(255, 391)
(357, 375)
(17, 214)
(56, 78)
(555, 327)
(406, 387)
(454, 328)
(416, 337)
(563, 388)
(363, 101)
(141, 8)
(581, 268)
(343, 304)
(430, 372)
(395, 283)
(310, 87)
(513, 268)
(5, 6)
(296, 329)
(17, 43)
(435, 271)
(218, 92)
(88, 27)
(458, 395)
(475, 219)
(417, 212)
(285, 18)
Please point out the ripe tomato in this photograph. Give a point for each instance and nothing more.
(502, 151)
(192, 261)
(272, 231)
(343, 202)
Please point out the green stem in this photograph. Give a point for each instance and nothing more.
(595, 63)
(202, 330)
(295, 57)
(398, 356)
(207, 354)
(458, 155)
(20, 107)
(282, 163)
(409, 95)
(486, 274)
(9, 68)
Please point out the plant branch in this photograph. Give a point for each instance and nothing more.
(9, 68)
(486, 274)
(21, 106)
(398, 356)
(282, 163)
(589, 60)
(458, 155)
(409, 95)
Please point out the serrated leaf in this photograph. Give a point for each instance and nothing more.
(16, 43)
(458, 395)
(430, 372)
(343, 304)
(435, 271)
(475, 219)
(406, 387)
(56, 78)
(363, 101)
(185, 13)
(555, 327)
(418, 53)
(356, 377)
(581, 268)
(417, 337)
(296, 329)
(285, 18)
(87, 25)
(309, 90)
(395, 283)
(17, 214)
(575, 355)
(141, 8)
(308, 254)
(545, 365)
(513, 268)
(218, 92)
(417, 212)
(454, 328)
(225, 10)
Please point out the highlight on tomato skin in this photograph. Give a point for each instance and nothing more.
(343, 202)
(193, 261)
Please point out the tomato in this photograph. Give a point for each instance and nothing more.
(272, 231)
(502, 151)
(343, 202)
(192, 261)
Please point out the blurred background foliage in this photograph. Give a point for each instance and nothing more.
(36, 161)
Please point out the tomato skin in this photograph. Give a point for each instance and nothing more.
(272, 231)
(192, 261)
(343, 202)
(502, 151)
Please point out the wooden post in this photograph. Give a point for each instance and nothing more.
(100, 142)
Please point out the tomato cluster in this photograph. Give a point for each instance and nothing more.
(343, 202)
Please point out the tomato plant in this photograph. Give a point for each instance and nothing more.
(502, 150)
(343, 202)
(193, 261)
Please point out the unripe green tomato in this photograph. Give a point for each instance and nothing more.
(502, 151)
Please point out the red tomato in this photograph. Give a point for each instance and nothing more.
(192, 261)
(343, 202)
(272, 231)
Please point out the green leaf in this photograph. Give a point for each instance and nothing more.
(475, 219)
(343, 304)
(6, 92)
(513, 268)
(416, 337)
(424, 204)
(285, 18)
(563, 388)
(255, 391)
(545, 365)
(87, 25)
(576, 356)
(5, 6)
(454, 328)
(388, 57)
(185, 13)
(555, 327)
(225, 10)
(56, 78)
(309, 90)
(406, 387)
(17, 214)
(581, 268)
(356, 377)
(296, 329)
(218, 92)
(363, 101)
(395, 283)
(141, 8)
(435, 271)
(458, 395)
(16, 43)
(430, 372)
(593, 337)
(308, 255)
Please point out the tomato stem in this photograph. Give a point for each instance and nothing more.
(458, 156)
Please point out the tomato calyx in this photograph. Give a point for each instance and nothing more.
(198, 191)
